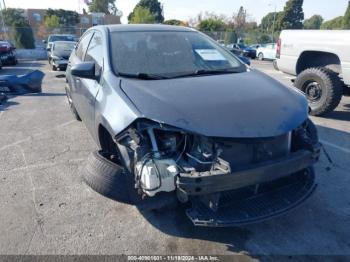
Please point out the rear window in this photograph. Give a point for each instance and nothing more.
(55, 38)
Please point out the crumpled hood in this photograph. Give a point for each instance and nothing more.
(249, 104)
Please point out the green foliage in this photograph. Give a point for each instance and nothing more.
(264, 39)
(314, 22)
(103, 6)
(336, 23)
(142, 15)
(267, 21)
(23, 37)
(22, 33)
(153, 6)
(66, 18)
(257, 36)
(173, 22)
(346, 18)
(230, 37)
(292, 15)
(52, 22)
(212, 25)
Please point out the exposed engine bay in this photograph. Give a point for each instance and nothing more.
(166, 159)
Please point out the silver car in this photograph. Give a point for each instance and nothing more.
(180, 119)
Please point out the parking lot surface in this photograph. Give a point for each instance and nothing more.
(45, 208)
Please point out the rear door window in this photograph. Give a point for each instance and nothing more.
(95, 52)
(83, 44)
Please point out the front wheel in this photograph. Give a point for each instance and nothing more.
(322, 87)
(261, 56)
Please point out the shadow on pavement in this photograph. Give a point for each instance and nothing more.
(29, 64)
(6, 104)
(46, 94)
(175, 223)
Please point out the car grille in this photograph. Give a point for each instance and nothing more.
(241, 153)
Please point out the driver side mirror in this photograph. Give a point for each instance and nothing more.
(84, 70)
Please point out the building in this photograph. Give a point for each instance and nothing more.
(36, 20)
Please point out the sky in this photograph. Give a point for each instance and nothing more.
(184, 9)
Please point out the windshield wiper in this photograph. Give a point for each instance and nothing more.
(144, 76)
(210, 72)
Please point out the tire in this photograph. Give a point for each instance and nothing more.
(107, 177)
(323, 89)
(261, 56)
(275, 66)
(54, 68)
(72, 107)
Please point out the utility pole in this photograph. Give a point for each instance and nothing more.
(274, 22)
(273, 25)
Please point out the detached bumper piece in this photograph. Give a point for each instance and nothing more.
(255, 203)
(28, 83)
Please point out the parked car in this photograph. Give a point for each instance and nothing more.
(57, 37)
(59, 54)
(320, 60)
(255, 46)
(267, 51)
(177, 117)
(7, 53)
(247, 51)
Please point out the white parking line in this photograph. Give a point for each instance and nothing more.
(343, 149)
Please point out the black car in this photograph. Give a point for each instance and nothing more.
(247, 51)
(177, 117)
(7, 53)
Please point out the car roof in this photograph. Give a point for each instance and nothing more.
(146, 27)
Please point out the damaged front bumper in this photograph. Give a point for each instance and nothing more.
(197, 184)
(61, 64)
(249, 205)
(251, 195)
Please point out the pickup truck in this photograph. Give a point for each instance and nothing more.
(320, 60)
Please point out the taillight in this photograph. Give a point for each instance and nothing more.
(278, 50)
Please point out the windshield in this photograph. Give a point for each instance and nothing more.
(170, 54)
(64, 47)
(55, 38)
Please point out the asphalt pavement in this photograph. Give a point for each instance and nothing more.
(45, 208)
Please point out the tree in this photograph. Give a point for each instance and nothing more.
(336, 23)
(267, 21)
(63, 19)
(103, 6)
(292, 15)
(142, 15)
(230, 36)
(52, 22)
(22, 32)
(212, 25)
(346, 18)
(174, 22)
(153, 6)
(314, 22)
(239, 21)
